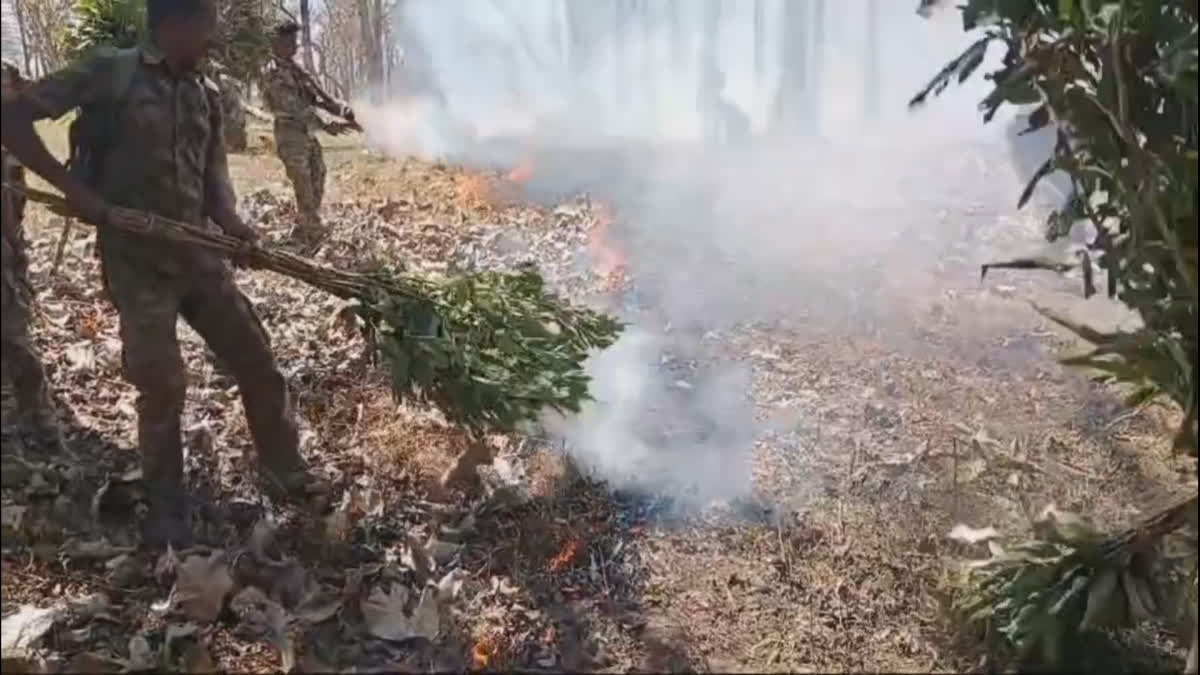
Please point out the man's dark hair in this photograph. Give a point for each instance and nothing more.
(287, 29)
(158, 11)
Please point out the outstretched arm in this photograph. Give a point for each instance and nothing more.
(284, 98)
(326, 102)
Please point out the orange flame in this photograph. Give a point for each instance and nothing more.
(481, 654)
(566, 556)
(522, 172)
(613, 262)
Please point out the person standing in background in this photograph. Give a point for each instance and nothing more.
(292, 95)
(22, 365)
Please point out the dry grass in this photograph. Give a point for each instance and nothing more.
(843, 572)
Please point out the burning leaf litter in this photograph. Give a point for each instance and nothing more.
(568, 577)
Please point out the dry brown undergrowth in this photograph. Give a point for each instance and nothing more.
(842, 573)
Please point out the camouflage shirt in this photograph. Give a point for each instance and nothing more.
(168, 157)
(290, 98)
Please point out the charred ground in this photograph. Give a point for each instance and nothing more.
(878, 441)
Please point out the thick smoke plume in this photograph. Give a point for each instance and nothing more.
(781, 190)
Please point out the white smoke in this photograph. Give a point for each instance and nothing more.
(795, 227)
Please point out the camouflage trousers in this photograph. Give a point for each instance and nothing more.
(305, 164)
(21, 364)
(149, 304)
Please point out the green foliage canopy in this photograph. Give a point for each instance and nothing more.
(106, 23)
(242, 42)
(1118, 81)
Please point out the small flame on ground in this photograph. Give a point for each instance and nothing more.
(483, 652)
(566, 556)
(522, 172)
(613, 262)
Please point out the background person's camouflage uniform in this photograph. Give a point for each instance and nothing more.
(21, 363)
(290, 98)
(235, 115)
(169, 158)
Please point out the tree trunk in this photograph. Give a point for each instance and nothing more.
(788, 110)
(306, 36)
(370, 18)
(620, 53)
(872, 80)
(817, 73)
(678, 34)
(23, 35)
(759, 25)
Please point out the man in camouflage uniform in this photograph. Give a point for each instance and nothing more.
(291, 95)
(232, 110)
(169, 159)
(21, 364)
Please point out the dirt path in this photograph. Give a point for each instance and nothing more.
(835, 563)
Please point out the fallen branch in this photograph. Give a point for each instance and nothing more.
(1068, 579)
(492, 349)
(62, 245)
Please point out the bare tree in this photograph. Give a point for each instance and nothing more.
(370, 17)
(760, 22)
(793, 82)
(22, 33)
(306, 35)
(872, 80)
(43, 39)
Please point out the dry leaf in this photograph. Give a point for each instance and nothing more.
(337, 524)
(11, 516)
(141, 656)
(971, 535)
(450, 586)
(165, 566)
(196, 659)
(289, 583)
(442, 552)
(92, 662)
(417, 558)
(385, 615)
(259, 616)
(262, 539)
(81, 357)
(174, 633)
(251, 607)
(318, 606)
(201, 585)
(20, 631)
(99, 549)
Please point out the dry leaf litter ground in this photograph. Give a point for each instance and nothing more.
(879, 446)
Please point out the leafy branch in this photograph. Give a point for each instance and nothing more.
(1117, 82)
(493, 350)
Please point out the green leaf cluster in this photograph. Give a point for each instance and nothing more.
(493, 350)
(1118, 82)
(1040, 594)
(106, 23)
(241, 46)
